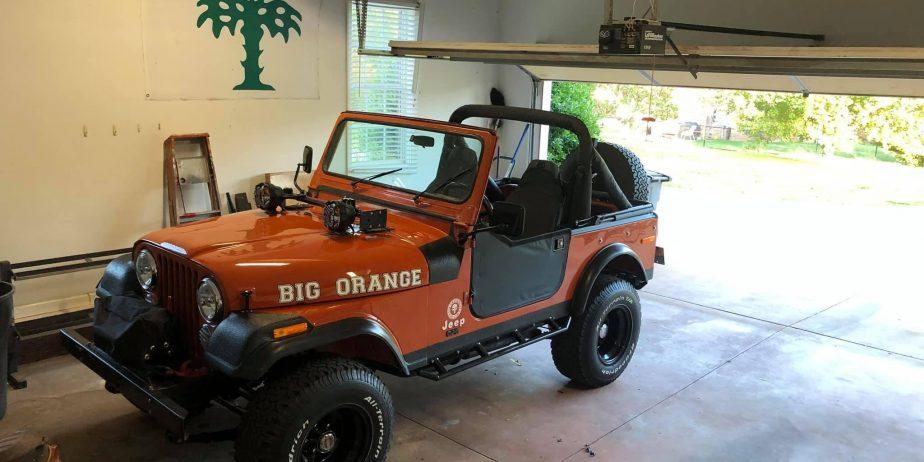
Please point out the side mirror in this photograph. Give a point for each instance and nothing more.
(508, 218)
(307, 156)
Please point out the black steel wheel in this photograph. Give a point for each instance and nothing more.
(342, 435)
(614, 336)
(598, 346)
(326, 409)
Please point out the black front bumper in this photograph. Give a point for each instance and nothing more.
(139, 391)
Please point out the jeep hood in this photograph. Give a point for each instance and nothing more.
(263, 254)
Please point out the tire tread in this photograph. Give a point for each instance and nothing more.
(627, 169)
(568, 347)
(266, 422)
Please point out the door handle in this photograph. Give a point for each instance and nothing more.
(559, 244)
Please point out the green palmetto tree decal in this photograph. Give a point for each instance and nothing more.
(276, 16)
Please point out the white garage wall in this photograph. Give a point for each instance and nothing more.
(73, 64)
(845, 23)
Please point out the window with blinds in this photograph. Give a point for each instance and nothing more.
(384, 85)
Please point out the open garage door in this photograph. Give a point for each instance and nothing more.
(789, 83)
(875, 71)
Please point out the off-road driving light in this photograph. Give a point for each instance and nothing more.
(262, 195)
(340, 215)
(208, 298)
(145, 269)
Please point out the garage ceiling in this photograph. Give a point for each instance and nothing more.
(883, 71)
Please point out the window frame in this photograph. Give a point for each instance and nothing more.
(341, 129)
(371, 167)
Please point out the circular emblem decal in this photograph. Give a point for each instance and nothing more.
(455, 308)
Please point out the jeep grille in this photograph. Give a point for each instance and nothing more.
(177, 279)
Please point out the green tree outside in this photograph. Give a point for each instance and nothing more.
(629, 103)
(829, 121)
(835, 122)
(896, 124)
(576, 99)
(766, 117)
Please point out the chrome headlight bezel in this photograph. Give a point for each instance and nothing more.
(146, 269)
(208, 300)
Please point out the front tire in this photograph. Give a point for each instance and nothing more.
(596, 349)
(326, 409)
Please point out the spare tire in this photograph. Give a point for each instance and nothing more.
(628, 170)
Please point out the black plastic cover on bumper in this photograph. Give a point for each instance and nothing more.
(164, 410)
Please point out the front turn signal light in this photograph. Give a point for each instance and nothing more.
(289, 331)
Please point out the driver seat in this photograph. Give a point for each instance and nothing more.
(542, 196)
(456, 160)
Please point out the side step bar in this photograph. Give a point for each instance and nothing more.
(518, 338)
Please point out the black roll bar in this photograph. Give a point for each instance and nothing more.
(581, 183)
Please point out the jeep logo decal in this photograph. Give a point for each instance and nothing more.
(454, 309)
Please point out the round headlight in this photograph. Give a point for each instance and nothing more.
(209, 299)
(145, 269)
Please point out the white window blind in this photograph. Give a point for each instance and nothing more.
(384, 85)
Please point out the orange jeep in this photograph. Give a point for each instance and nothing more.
(424, 267)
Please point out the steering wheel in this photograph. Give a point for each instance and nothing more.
(493, 191)
(487, 205)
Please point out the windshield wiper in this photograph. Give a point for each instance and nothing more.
(377, 175)
(445, 183)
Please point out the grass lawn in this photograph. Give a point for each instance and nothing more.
(790, 175)
(862, 151)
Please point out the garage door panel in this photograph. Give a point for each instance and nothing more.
(717, 80)
(864, 86)
(580, 74)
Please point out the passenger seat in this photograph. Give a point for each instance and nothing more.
(541, 194)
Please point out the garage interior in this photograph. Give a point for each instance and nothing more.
(775, 331)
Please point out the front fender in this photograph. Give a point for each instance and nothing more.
(119, 279)
(617, 259)
(242, 346)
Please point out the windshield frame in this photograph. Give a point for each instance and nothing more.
(396, 121)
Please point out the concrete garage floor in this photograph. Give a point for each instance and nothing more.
(776, 332)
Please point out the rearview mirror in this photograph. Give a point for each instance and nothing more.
(307, 156)
(423, 141)
(508, 218)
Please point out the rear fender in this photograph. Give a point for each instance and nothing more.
(242, 346)
(615, 259)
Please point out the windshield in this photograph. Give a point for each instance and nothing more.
(433, 163)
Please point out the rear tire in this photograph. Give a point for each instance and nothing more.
(324, 409)
(627, 169)
(596, 349)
